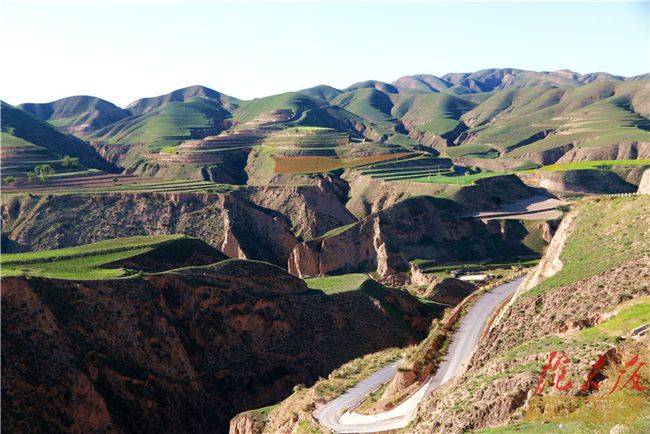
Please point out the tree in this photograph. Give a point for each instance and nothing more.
(43, 171)
(68, 161)
(9, 180)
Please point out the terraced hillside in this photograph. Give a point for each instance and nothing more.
(409, 167)
(100, 183)
(535, 118)
(28, 142)
(167, 124)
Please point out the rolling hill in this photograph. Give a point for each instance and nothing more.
(185, 94)
(528, 122)
(28, 142)
(77, 114)
(535, 117)
(167, 124)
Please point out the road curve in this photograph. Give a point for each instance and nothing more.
(338, 414)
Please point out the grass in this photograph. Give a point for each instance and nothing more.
(630, 316)
(293, 101)
(87, 262)
(429, 266)
(607, 232)
(21, 129)
(165, 126)
(352, 372)
(337, 231)
(471, 150)
(7, 140)
(467, 179)
(601, 164)
(433, 113)
(152, 187)
(371, 399)
(528, 427)
(518, 121)
(336, 284)
(369, 103)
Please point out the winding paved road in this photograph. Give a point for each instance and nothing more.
(337, 414)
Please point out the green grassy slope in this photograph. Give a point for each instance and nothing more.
(322, 92)
(335, 284)
(28, 141)
(431, 113)
(368, 103)
(79, 114)
(185, 94)
(537, 119)
(168, 124)
(122, 257)
(294, 102)
(606, 232)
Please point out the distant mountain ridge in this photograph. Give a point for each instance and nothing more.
(484, 80)
(77, 114)
(499, 112)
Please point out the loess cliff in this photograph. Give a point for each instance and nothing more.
(180, 351)
(591, 289)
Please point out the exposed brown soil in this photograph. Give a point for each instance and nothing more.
(176, 352)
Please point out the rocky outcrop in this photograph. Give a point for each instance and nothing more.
(618, 151)
(416, 228)
(583, 181)
(493, 164)
(254, 222)
(368, 195)
(644, 185)
(246, 423)
(549, 156)
(449, 291)
(310, 210)
(178, 351)
(497, 386)
(234, 226)
(551, 262)
(574, 152)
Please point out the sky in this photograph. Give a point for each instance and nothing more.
(124, 50)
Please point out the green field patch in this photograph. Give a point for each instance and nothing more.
(8, 140)
(467, 179)
(336, 231)
(85, 262)
(606, 233)
(336, 284)
(629, 317)
(600, 164)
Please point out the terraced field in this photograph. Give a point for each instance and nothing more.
(96, 183)
(412, 167)
(18, 160)
(320, 164)
(294, 141)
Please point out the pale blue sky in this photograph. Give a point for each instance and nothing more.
(121, 51)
